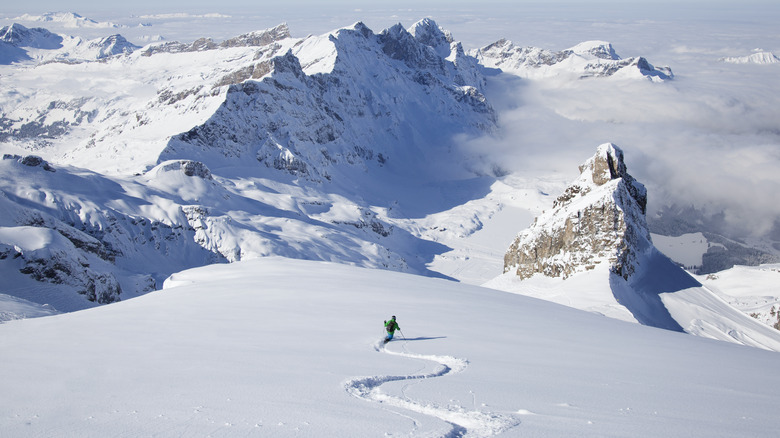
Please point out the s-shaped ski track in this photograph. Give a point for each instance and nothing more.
(464, 423)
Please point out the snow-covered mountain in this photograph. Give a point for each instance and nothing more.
(593, 251)
(37, 38)
(19, 44)
(66, 19)
(322, 111)
(303, 95)
(759, 57)
(587, 59)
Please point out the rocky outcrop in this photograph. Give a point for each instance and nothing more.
(187, 167)
(599, 218)
(31, 161)
(66, 266)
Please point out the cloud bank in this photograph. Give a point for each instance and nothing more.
(708, 139)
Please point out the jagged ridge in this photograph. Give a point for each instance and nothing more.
(585, 60)
(304, 124)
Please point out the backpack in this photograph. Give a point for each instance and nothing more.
(390, 326)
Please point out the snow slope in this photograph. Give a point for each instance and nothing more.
(278, 347)
(18, 308)
(755, 290)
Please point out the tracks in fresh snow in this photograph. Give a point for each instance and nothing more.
(463, 422)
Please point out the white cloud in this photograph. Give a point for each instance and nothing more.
(691, 141)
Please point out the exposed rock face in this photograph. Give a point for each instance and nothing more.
(599, 218)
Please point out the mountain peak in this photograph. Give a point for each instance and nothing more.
(600, 217)
(607, 164)
(112, 45)
(759, 57)
(362, 29)
(427, 32)
(39, 38)
(598, 49)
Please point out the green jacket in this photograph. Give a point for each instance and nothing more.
(391, 326)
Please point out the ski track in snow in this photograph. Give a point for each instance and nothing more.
(464, 423)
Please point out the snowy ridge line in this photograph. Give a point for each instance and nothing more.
(463, 422)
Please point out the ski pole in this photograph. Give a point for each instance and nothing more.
(402, 334)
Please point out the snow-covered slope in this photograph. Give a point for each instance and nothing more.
(93, 230)
(281, 347)
(593, 251)
(87, 238)
(755, 290)
(17, 308)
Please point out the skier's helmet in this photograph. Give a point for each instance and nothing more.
(393, 317)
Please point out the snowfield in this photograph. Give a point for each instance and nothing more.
(280, 347)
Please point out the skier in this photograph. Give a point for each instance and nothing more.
(391, 326)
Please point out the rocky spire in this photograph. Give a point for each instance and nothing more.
(599, 218)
